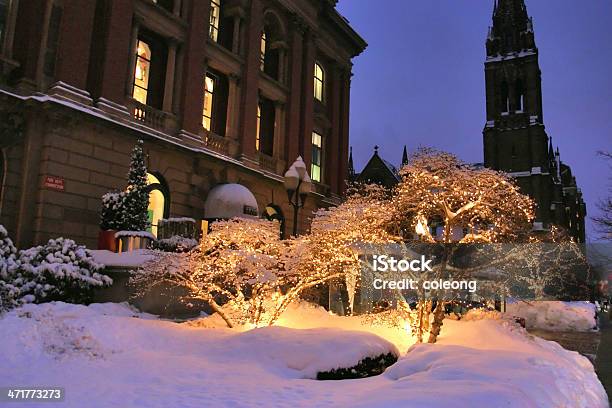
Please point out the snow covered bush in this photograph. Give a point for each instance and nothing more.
(9, 263)
(112, 204)
(175, 243)
(58, 270)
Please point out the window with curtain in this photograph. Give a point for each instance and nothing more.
(142, 72)
(317, 157)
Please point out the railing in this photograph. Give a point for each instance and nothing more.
(149, 116)
(267, 162)
(217, 143)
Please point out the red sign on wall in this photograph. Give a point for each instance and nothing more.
(54, 183)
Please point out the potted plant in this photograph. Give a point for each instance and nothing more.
(109, 220)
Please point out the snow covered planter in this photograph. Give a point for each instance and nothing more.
(129, 241)
(58, 270)
(175, 243)
(109, 220)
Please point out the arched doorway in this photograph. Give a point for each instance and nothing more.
(159, 200)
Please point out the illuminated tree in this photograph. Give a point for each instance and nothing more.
(466, 204)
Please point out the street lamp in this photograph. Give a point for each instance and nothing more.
(298, 184)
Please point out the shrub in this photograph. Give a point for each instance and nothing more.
(367, 367)
(58, 270)
(175, 243)
(8, 265)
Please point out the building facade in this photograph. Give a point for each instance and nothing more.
(515, 139)
(221, 91)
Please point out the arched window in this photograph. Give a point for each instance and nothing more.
(319, 82)
(505, 99)
(159, 201)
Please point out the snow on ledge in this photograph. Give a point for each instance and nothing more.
(140, 234)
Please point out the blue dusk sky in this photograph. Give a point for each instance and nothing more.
(420, 82)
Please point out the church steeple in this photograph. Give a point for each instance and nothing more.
(512, 29)
(404, 157)
(351, 168)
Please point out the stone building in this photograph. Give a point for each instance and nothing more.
(221, 91)
(515, 140)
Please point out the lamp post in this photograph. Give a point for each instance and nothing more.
(298, 184)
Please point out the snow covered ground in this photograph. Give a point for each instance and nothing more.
(555, 315)
(108, 355)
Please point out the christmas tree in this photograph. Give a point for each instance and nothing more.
(136, 199)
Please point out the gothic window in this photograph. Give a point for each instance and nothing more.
(264, 141)
(215, 17)
(319, 82)
(317, 157)
(520, 96)
(505, 97)
(159, 201)
(214, 105)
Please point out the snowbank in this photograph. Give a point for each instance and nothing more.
(108, 355)
(555, 315)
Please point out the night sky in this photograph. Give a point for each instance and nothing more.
(420, 82)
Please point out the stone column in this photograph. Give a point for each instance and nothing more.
(282, 63)
(344, 132)
(279, 121)
(292, 133)
(72, 66)
(233, 98)
(250, 81)
(176, 8)
(333, 158)
(169, 82)
(308, 99)
(132, 57)
(192, 89)
(115, 60)
(236, 35)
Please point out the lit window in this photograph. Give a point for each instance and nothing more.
(157, 202)
(258, 130)
(262, 51)
(317, 153)
(142, 72)
(319, 82)
(209, 90)
(215, 15)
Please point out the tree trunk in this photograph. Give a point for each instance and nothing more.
(437, 322)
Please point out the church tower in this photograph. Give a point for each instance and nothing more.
(515, 140)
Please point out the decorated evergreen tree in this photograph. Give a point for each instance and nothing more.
(136, 200)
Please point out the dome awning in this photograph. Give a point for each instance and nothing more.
(230, 200)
